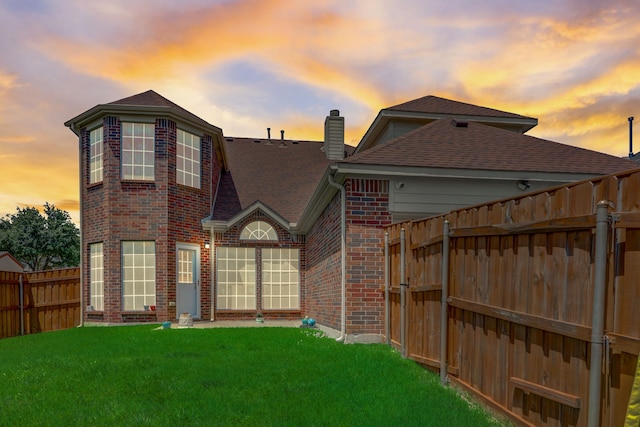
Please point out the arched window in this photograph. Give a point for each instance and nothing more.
(258, 230)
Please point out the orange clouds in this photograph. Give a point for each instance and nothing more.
(248, 64)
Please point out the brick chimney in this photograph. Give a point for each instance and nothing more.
(334, 136)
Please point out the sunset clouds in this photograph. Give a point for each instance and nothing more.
(251, 64)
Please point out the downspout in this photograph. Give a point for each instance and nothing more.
(386, 288)
(82, 302)
(343, 258)
(444, 309)
(597, 321)
(212, 263)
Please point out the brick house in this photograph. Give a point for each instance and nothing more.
(177, 218)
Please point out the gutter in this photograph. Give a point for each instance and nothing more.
(72, 126)
(343, 260)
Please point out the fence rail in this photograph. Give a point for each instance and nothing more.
(517, 299)
(51, 301)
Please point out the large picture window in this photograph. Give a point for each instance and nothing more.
(95, 155)
(236, 271)
(138, 151)
(96, 273)
(280, 279)
(138, 275)
(188, 159)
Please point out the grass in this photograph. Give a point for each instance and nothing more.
(137, 375)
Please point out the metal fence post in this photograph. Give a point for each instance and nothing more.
(444, 308)
(387, 265)
(403, 297)
(597, 320)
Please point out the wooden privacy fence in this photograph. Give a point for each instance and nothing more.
(50, 301)
(531, 304)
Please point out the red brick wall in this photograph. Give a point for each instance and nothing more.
(231, 238)
(367, 212)
(162, 211)
(324, 275)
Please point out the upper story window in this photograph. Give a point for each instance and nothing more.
(138, 151)
(95, 155)
(188, 159)
(258, 230)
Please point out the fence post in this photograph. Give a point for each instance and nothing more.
(387, 265)
(444, 308)
(21, 305)
(403, 297)
(597, 320)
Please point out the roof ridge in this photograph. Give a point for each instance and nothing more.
(438, 104)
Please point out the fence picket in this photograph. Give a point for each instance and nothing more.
(51, 301)
(521, 275)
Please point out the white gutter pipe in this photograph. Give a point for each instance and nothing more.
(343, 260)
(212, 263)
(82, 302)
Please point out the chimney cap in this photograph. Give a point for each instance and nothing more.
(334, 113)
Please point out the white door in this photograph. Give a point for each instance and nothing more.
(188, 280)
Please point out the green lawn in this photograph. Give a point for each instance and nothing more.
(203, 377)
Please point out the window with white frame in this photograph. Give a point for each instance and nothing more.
(258, 230)
(280, 278)
(95, 155)
(188, 159)
(138, 274)
(138, 151)
(96, 279)
(236, 270)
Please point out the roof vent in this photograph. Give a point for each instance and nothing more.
(269, 136)
(282, 144)
(459, 124)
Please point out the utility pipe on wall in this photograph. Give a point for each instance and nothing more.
(444, 308)
(343, 258)
(597, 320)
(386, 288)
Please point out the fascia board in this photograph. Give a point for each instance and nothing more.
(319, 200)
(79, 121)
(395, 171)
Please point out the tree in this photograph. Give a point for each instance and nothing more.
(41, 242)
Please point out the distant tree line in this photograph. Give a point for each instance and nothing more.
(41, 242)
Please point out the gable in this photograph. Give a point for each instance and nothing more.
(399, 119)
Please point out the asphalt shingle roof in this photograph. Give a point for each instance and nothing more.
(441, 144)
(437, 105)
(283, 179)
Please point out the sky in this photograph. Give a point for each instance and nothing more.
(247, 65)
